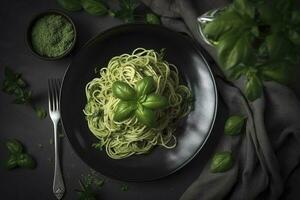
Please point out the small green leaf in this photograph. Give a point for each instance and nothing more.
(26, 161)
(70, 5)
(221, 162)
(124, 188)
(14, 146)
(154, 101)
(40, 112)
(123, 91)
(254, 87)
(145, 86)
(234, 125)
(145, 116)
(152, 18)
(94, 7)
(11, 163)
(124, 110)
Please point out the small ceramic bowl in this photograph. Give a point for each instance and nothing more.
(32, 23)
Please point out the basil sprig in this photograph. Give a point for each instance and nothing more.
(257, 39)
(14, 85)
(140, 102)
(17, 156)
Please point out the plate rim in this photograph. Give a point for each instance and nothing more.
(196, 47)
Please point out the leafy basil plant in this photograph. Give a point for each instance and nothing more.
(140, 102)
(258, 40)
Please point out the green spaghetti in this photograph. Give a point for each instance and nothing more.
(129, 136)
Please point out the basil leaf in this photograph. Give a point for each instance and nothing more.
(254, 87)
(235, 47)
(123, 91)
(145, 116)
(154, 101)
(11, 162)
(124, 110)
(26, 161)
(94, 7)
(278, 46)
(221, 162)
(280, 72)
(234, 125)
(14, 146)
(244, 7)
(145, 86)
(227, 20)
(40, 112)
(152, 18)
(70, 5)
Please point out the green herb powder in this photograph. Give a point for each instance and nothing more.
(52, 35)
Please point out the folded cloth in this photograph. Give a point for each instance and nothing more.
(267, 155)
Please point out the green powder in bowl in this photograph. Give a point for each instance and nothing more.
(52, 35)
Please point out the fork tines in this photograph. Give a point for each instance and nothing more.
(53, 94)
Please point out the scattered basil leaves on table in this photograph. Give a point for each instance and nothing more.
(257, 39)
(40, 112)
(221, 162)
(17, 156)
(126, 11)
(14, 85)
(234, 125)
(140, 102)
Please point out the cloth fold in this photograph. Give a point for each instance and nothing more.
(267, 155)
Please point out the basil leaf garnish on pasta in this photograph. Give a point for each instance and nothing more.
(154, 101)
(145, 86)
(146, 116)
(124, 110)
(123, 91)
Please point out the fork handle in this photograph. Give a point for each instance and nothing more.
(58, 182)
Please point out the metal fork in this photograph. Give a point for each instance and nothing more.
(53, 96)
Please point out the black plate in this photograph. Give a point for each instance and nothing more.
(191, 135)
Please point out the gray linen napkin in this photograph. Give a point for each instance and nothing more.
(267, 155)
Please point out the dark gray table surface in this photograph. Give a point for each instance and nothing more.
(19, 121)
